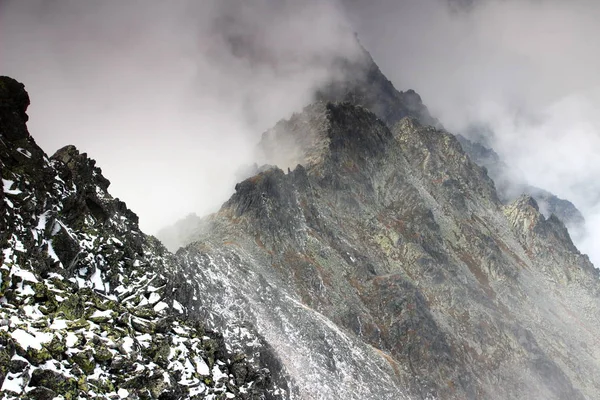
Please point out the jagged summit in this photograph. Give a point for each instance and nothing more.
(363, 83)
(344, 137)
(359, 82)
(323, 131)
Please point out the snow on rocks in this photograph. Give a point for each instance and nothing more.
(86, 305)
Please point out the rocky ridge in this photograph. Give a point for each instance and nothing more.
(88, 306)
(391, 259)
(364, 84)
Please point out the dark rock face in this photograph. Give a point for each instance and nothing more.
(88, 305)
(14, 101)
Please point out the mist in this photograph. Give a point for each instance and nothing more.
(169, 97)
(526, 69)
(172, 98)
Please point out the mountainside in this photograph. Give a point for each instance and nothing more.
(87, 300)
(400, 245)
(371, 258)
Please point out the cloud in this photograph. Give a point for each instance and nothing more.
(169, 97)
(525, 68)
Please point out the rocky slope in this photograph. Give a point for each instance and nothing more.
(364, 84)
(87, 300)
(385, 266)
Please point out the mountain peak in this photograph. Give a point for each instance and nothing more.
(322, 131)
(361, 82)
(375, 261)
(527, 220)
(386, 230)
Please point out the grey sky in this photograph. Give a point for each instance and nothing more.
(170, 97)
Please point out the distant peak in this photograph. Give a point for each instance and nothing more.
(526, 202)
(529, 223)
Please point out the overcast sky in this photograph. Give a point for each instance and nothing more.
(170, 97)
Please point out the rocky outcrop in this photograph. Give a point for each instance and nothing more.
(548, 240)
(88, 306)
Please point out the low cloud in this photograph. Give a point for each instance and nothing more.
(169, 97)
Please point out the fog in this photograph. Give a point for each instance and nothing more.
(527, 69)
(171, 98)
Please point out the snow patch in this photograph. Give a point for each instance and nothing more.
(96, 280)
(202, 367)
(12, 383)
(42, 220)
(177, 305)
(160, 306)
(115, 240)
(25, 275)
(101, 314)
(24, 152)
(128, 345)
(7, 183)
(154, 298)
(8, 255)
(51, 252)
(71, 340)
(32, 311)
(59, 324)
(218, 374)
(18, 245)
(27, 340)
